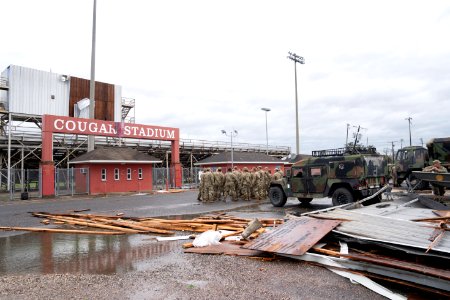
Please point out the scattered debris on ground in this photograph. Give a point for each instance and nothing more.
(406, 245)
(120, 224)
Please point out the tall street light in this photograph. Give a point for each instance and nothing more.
(297, 59)
(267, 135)
(91, 138)
(231, 134)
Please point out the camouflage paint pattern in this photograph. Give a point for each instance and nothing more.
(416, 158)
(409, 159)
(439, 148)
(318, 177)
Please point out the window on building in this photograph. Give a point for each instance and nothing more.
(140, 173)
(103, 174)
(128, 174)
(116, 174)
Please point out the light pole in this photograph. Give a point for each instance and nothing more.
(231, 134)
(409, 125)
(91, 138)
(297, 59)
(267, 135)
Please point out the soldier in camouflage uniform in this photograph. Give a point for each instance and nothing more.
(246, 184)
(230, 186)
(278, 174)
(436, 168)
(219, 180)
(267, 179)
(208, 192)
(253, 184)
(238, 175)
(260, 182)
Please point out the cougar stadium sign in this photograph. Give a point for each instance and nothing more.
(107, 128)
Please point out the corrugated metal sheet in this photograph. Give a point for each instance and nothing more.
(387, 229)
(397, 211)
(37, 92)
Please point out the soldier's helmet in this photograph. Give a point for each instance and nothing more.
(245, 169)
(436, 161)
(219, 169)
(277, 169)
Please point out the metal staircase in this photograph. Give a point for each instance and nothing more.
(127, 106)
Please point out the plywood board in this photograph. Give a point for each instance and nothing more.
(294, 237)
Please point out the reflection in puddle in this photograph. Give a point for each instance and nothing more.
(47, 253)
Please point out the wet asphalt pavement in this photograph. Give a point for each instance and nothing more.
(46, 266)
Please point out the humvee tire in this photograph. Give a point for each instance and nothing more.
(342, 196)
(305, 200)
(277, 196)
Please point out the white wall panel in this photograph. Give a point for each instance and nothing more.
(37, 92)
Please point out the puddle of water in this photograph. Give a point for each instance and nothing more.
(47, 253)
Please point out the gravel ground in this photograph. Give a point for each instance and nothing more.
(178, 275)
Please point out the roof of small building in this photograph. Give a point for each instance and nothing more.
(108, 155)
(240, 157)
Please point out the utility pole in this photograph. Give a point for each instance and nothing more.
(401, 143)
(392, 144)
(91, 138)
(409, 123)
(296, 59)
(421, 141)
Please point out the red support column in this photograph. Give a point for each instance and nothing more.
(176, 163)
(47, 164)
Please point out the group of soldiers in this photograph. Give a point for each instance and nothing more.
(237, 184)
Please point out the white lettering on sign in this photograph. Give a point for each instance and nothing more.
(90, 127)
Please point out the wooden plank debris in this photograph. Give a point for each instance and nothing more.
(295, 237)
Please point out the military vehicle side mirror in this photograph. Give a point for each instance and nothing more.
(332, 165)
(288, 173)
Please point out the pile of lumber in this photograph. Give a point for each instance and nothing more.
(119, 224)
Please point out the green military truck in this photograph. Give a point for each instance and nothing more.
(338, 173)
(415, 158)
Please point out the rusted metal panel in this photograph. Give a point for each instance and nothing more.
(104, 97)
(294, 237)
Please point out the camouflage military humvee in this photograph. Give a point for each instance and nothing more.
(340, 175)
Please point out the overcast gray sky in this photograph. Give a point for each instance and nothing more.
(203, 66)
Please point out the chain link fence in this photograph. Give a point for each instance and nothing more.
(163, 178)
(71, 181)
(24, 184)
